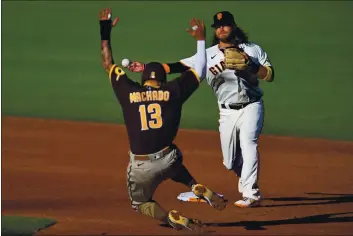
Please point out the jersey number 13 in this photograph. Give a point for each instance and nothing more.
(154, 113)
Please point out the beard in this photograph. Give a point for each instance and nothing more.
(227, 38)
(235, 37)
(224, 38)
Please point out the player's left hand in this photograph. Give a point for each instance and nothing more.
(235, 59)
(106, 14)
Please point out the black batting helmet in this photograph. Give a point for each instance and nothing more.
(154, 71)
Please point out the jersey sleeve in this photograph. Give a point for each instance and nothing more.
(262, 56)
(189, 62)
(121, 83)
(183, 86)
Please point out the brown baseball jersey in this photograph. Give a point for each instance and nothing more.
(152, 114)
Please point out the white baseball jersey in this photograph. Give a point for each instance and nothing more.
(229, 87)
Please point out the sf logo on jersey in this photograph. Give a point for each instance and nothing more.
(218, 68)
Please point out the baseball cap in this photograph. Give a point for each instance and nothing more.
(154, 71)
(223, 18)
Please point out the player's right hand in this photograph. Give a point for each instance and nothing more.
(136, 66)
(197, 29)
(106, 14)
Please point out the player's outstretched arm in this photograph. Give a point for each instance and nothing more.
(106, 25)
(170, 68)
(189, 81)
(198, 31)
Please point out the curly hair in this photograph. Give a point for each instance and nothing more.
(237, 36)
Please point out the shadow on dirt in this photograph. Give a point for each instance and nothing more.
(260, 225)
(310, 201)
(314, 219)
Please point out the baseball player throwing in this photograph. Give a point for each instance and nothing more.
(152, 112)
(234, 66)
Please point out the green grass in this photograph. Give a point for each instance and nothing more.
(24, 226)
(51, 59)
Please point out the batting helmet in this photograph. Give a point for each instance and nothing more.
(154, 71)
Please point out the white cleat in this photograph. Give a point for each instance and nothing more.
(247, 202)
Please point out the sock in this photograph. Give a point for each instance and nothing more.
(154, 210)
(184, 177)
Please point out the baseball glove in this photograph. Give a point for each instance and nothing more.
(235, 59)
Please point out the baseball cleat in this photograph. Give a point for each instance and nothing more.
(247, 203)
(179, 222)
(212, 198)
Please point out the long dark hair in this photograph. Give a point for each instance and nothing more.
(236, 37)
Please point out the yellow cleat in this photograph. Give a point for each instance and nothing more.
(179, 222)
(212, 198)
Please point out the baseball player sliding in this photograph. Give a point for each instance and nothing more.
(234, 66)
(152, 112)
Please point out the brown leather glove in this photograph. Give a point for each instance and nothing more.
(236, 59)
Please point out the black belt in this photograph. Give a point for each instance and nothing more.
(237, 106)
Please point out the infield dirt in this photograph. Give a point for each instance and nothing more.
(75, 172)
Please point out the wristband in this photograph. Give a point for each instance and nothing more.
(105, 29)
(269, 74)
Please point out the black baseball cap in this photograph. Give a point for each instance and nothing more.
(223, 18)
(154, 71)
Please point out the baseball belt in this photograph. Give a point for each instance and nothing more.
(151, 157)
(237, 106)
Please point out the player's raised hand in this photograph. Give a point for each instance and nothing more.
(136, 66)
(106, 14)
(197, 29)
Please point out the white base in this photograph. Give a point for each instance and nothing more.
(191, 197)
